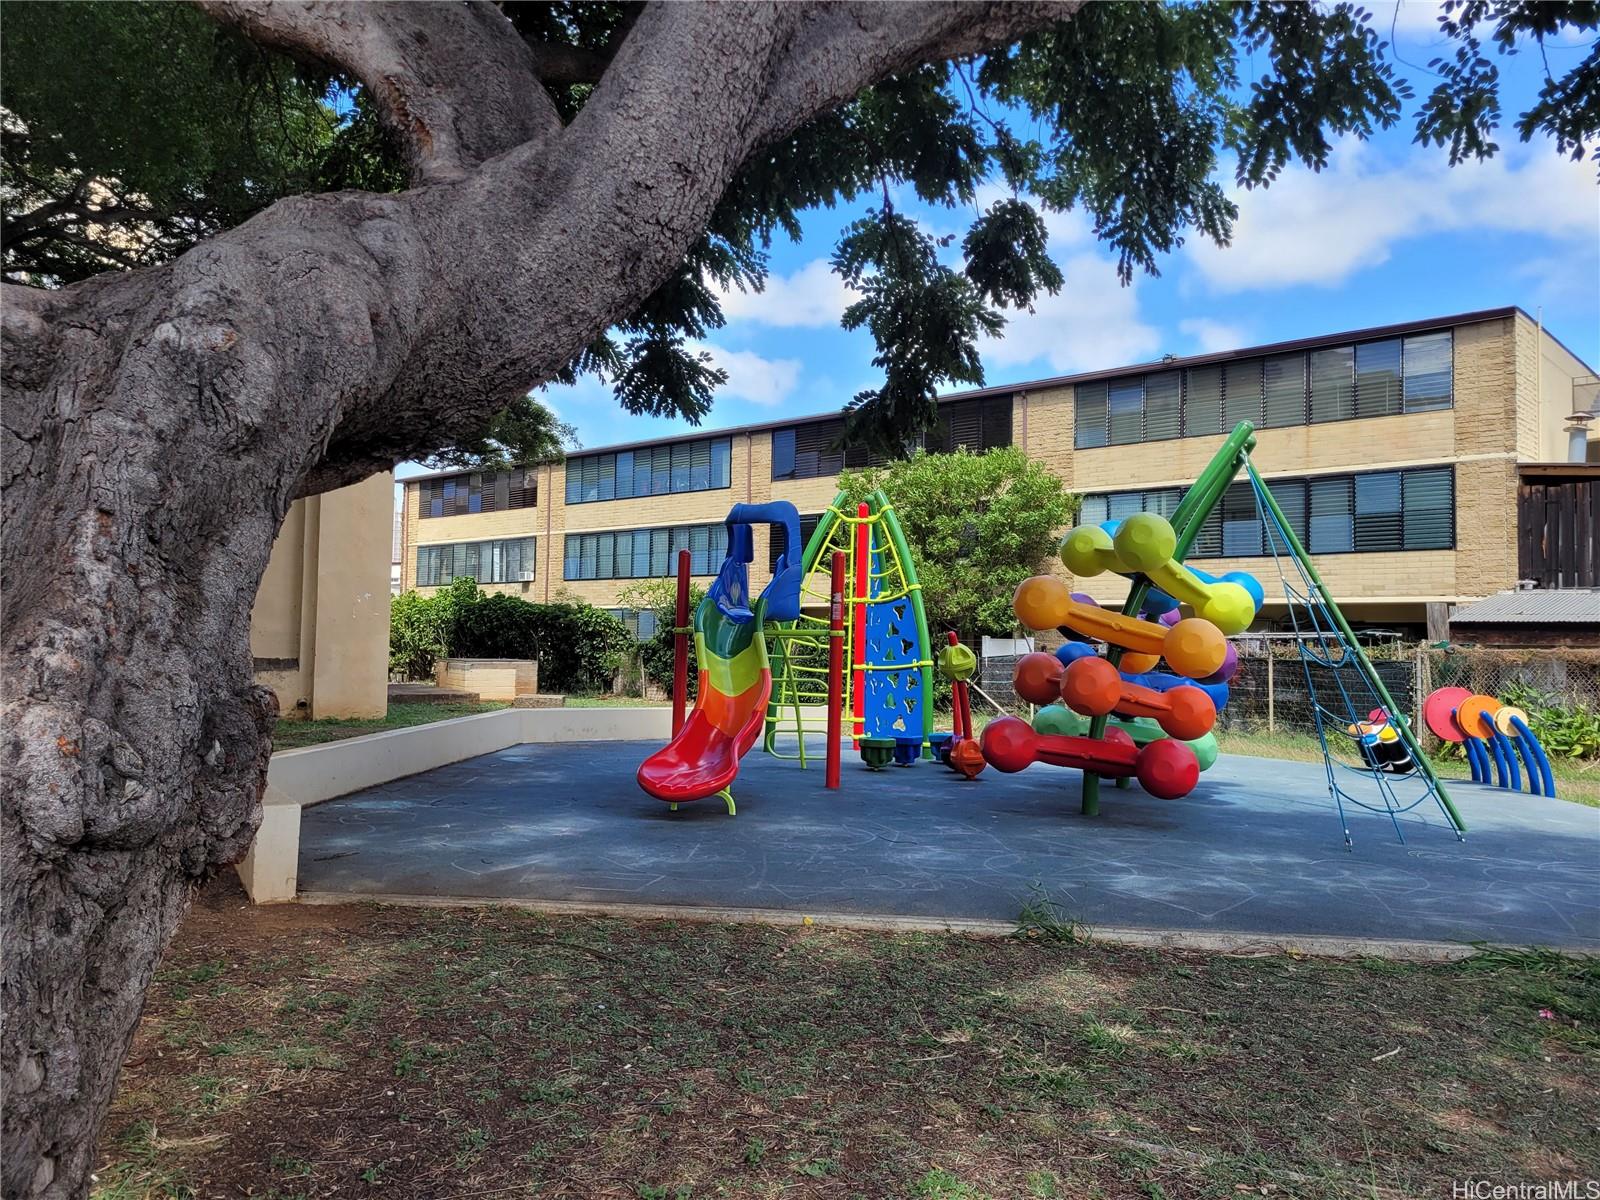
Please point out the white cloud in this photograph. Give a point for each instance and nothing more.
(811, 298)
(763, 381)
(1411, 18)
(1091, 322)
(1321, 228)
(1210, 336)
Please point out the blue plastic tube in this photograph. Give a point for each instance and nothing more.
(1527, 738)
(1504, 753)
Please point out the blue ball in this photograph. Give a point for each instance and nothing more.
(1070, 652)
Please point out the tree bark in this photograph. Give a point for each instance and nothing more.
(158, 425)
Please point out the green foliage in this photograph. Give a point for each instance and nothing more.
(523, 434)
(1564, 730)
(416, 639)
(977, 524)
(135, 129)
(660, 596)
(579, 647)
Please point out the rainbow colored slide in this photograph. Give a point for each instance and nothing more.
(730, 653)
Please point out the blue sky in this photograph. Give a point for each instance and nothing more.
(1388, 232)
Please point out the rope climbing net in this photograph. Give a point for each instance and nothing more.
(1350, 706)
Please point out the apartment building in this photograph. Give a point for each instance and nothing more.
(1395, 452)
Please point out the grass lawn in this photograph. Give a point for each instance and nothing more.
(363, 1051)
(1575, 781)
(290, 735)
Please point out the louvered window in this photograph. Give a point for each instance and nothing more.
(1429, 503)
(1202, 401)
(779, 542)
(1370, 512)
(1428, 367)
(1283, 390)
(1090, 420)
(1333, 384)
(1378, 525)
(479, 492)
(1163, 404)
(652, 471)
(510, 560)
(1378, 378)
(644, 553)
(1241, 393)
(1125, 405)
(1332, 524)
(1241, 527)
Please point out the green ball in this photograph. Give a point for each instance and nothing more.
(1205, 749)
(1079, 550)
(957, 662)
(1145, 541)
(1230, 608)
(1061, 720)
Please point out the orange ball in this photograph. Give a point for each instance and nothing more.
(1091, 686)
(1134, 663)
(1195, 647)
(1190, 713)
(1476, 715)
(1037, 677)
(1042, 602)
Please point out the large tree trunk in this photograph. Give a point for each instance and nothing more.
(158, 425)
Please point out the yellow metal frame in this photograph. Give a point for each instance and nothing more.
(804, 677)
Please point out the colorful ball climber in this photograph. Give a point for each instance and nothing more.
(1152, 725)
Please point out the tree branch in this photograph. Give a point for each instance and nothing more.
(453, 81)
(560, 63)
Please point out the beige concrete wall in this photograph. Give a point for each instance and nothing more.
(1546, 373)
(320, 626)
(1504, 411)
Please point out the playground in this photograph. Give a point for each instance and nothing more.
(1110, 807)
(1253, 850)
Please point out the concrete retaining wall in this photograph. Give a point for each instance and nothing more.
(311, 775)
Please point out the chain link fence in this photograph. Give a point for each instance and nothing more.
(1272, 692)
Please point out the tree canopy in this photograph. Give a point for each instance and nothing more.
(972, 519)
(1132, 112)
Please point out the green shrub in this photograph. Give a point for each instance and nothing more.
(1564, 730)
(416, 639)
(579, 647)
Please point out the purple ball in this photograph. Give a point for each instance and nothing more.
(1228, 669)
(1172, 617)
(1085, 598)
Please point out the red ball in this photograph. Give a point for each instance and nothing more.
(1091, 686)
(1037, 677)
(1008, 744)
(1117, 737)
(1166, 768)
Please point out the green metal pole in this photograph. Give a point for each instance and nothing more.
(1196, 505)
(1401, 724)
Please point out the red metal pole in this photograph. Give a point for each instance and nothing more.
(958, 717)
(680, 646)
(835, 668)
(858, 649)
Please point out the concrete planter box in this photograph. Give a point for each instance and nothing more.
(490, 678)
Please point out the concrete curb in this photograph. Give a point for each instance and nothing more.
(1314, 945)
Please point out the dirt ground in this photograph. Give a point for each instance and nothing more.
(363, 1051)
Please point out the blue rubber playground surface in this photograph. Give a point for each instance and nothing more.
(1257, 848)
